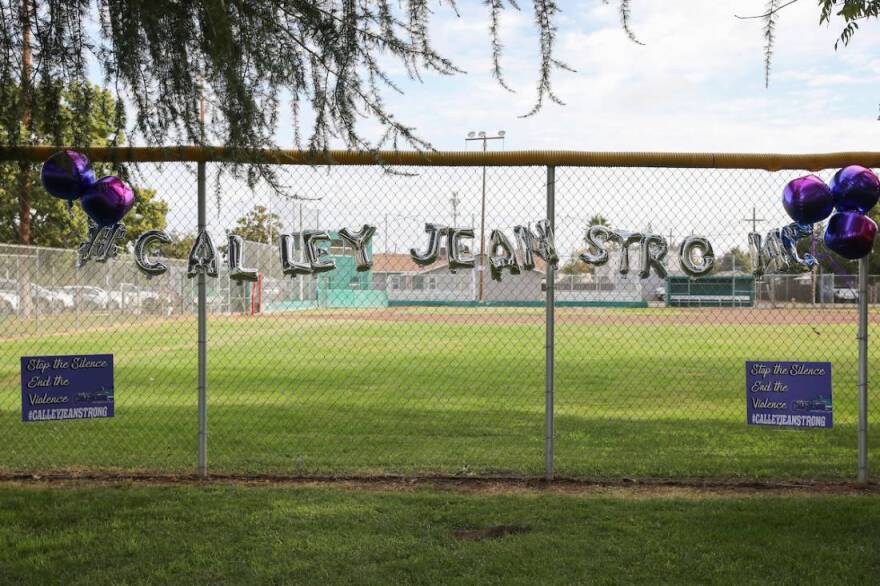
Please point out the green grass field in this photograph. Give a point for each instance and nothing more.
(252, 534)
(639, 393)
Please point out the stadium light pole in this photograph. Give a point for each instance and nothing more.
(482, 136)
(300, 199)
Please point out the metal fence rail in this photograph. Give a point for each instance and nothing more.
(411, 369)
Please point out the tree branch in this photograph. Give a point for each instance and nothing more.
(767, 14)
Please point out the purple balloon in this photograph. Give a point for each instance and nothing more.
(855, 189)
(107, 200)
(850, 234)
(807, 200)
(67, 174)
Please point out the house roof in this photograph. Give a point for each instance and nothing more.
(384, 262)
(402, 263)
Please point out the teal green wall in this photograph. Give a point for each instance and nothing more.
(341, 277)
(718, 287)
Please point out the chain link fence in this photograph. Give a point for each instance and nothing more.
(419, 370)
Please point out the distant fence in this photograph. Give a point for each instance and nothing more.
(413, 369)
(118, 287)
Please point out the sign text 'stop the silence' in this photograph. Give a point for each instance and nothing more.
(66, 387)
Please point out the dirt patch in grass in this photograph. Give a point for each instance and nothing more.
(489, 532)
(628, 488)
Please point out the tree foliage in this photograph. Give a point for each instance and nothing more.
(243, 58)
(735, 259)
(259, 225)
(51, 223)
(54, 225)
(625, 10)
(851, 12)
(598, 220)
(148, 213)
(574, 265)
(180, 246)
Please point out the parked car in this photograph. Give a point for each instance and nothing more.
(89, 298)
(660, 293)
(8, 302)
(53, 299)
(43, 299)
(846, 294)
(131, 297)
(212, 297)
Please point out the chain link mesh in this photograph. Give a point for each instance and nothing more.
(415, 370)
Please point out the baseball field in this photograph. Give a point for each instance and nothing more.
(639, 393)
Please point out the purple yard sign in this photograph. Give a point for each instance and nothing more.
(66, 387)
(788, 394)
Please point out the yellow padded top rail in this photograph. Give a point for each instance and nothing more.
(763, 161)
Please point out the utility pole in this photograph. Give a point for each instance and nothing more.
(481, 135)
(754, 220)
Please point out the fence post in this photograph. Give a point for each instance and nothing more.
(31, 291)
(863, 369)
(203, 338)
(550, 314)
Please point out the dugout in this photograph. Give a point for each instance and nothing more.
(734, 290)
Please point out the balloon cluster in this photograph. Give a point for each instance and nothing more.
(68, 175)
(853, 191)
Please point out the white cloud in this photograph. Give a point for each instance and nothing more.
(696, 84)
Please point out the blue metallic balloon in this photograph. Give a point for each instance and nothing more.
(855, 189)
(807, 200)
(67, 174)
(850, 234)
(107, 200)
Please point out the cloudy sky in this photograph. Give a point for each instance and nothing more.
(696, 85)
